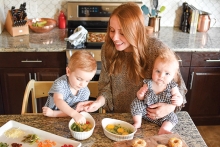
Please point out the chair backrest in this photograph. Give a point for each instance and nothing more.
(40, 89)
(37, 89)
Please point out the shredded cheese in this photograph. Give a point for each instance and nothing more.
(14, 133)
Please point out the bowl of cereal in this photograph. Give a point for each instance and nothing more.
(118, 130)
(82, 131)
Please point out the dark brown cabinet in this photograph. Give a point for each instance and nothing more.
(203, 98)
(184, 61)
(17, 68)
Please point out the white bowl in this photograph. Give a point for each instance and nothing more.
(83, 135)
(116, 137)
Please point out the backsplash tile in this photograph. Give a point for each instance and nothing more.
(170, 17)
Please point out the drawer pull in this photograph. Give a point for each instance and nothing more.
(31, 61)
(191, 83)
(212, 60)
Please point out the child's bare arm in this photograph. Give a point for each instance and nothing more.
(177, 98)
(141, 92)
(65, 108)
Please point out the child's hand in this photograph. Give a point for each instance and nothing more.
(142, 91)
(47, 112)
(177, 100)
(79, 118)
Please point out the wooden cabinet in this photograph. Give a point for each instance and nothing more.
(203, 98)
(17, 68)
(184, 61)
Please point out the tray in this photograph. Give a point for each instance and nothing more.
(152, 141)
(31, 130)
(95, 39)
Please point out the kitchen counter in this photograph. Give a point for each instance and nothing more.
(53, 41)
(59, 126)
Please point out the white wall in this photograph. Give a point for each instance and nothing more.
(170, 17)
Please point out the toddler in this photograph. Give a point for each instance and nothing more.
(70, 89)
(160, 89)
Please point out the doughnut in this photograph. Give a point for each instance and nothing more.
(161, 145)
(138, 143)
(175, 142)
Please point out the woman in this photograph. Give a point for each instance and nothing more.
(127, 58)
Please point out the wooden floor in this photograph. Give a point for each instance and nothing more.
(210, 134)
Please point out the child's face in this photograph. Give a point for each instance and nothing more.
(79, 78)
(163, 73)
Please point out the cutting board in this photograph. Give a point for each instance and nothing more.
(152, 141)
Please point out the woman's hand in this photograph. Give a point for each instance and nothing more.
(81, 105)
(159, 110)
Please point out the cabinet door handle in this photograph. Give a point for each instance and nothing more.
(209, 60)
(191, 80)
(35, 76)
(180, 60)
(31, 61)
(29, 76)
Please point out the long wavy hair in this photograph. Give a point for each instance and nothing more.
(132, 25)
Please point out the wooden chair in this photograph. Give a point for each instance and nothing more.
(40, 89)
(37, 89)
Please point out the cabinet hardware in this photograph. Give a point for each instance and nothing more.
(30, 61)
(209, 60)
(180, 60)
(29, 76)
(35, 76)
(191, 80)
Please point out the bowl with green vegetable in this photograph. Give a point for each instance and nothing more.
(82, 131)
(118, 130)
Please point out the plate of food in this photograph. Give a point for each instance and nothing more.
(15, 133)
(165, 140)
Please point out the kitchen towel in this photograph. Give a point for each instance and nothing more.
(78, 37)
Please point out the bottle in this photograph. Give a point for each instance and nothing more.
(62, 20)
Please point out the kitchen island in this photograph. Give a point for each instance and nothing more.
(59, 126)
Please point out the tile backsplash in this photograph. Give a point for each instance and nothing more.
(170, 17)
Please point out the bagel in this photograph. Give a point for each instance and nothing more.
(175, 142)
(138, 143)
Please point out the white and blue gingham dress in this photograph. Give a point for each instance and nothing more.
(138, 107)
(61, 85)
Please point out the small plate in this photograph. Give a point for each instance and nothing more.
(43, 135)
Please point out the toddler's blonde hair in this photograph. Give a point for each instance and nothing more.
(83, 60)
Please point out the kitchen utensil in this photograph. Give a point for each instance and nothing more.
(145, 9)
(154, 7)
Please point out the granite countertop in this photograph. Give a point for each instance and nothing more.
(59, 126)
(53, 41)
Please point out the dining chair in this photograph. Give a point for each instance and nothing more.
(37, 89)
(40, 89)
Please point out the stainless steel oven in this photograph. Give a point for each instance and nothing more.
(94, 17)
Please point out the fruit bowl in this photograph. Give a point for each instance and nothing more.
(46, 25)
(116, 137)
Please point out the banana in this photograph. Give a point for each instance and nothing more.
(39, 23)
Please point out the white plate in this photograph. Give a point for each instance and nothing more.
(31, 130)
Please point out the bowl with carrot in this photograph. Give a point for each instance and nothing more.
(82, 131)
